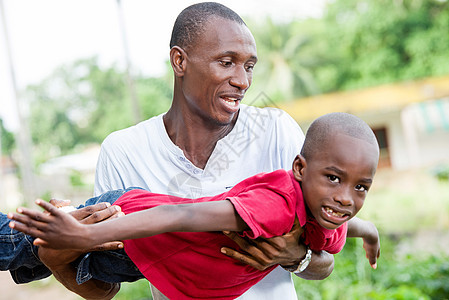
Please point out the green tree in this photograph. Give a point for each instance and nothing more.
(283, 71)
(82, 103)
(372, 42)
(7, 140)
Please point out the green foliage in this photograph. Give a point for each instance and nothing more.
(7, 140)
(283, 70)
(139, 290)
(358, 43)
(409, 277)
(442, 172)
(76, 179)
(380, 41)
(82, 103)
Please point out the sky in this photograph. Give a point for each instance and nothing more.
(45, 34)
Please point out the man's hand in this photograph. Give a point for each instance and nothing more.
(263, 253)
(58, 261)
(57, 229)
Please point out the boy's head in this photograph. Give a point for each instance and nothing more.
(336, 167)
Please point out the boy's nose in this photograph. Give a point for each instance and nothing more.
(344, 197)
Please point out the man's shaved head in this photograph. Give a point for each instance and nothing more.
(191, 21)
(332, 124)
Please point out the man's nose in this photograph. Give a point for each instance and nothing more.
(240, 78)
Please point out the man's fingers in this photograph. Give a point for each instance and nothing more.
(116, 215)
(84, 212)
(101, 215)
(254, 256)
(297, 230)
(59, 203)
(108, 246)
(244, 244)
(243, 258)
(40, 242)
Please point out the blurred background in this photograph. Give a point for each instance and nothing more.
(71, 72)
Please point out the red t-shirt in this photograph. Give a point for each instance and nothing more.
(189, 265)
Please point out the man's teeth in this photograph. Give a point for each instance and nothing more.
(230, 99)
(334, 213)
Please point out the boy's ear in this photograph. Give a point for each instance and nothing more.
(298, 167)
(178, 60)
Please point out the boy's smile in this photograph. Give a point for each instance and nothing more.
(336, 178)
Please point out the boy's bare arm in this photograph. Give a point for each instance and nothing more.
(371, 241)
(60, 231)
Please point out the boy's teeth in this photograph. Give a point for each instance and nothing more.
(334, 213)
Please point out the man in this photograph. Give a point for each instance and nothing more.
(206, 143)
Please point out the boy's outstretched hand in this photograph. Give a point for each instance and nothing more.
(55, 229)
(371, 244)
(371, 240)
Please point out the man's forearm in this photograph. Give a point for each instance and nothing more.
(92, 289)
(320, 267)
(59, 263)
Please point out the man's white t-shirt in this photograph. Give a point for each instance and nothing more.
(262, 140)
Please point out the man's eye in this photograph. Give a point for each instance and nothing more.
(333, 178)
(361, 188)
(249, 67)
(226, 63)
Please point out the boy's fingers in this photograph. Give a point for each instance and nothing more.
(29, 218)
(48, 207)
(33, 231)
(372, 257)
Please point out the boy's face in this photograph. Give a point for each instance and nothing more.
(336, 178)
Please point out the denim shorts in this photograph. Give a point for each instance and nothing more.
(19, 256)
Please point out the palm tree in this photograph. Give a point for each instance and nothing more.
(284, 69)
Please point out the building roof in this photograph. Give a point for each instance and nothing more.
(382, 98)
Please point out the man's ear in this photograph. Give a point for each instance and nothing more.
(298, 167)
(178, 60)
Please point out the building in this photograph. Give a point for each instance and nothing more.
(410, 119)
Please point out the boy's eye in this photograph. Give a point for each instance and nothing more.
(333, 178)
(361, 188)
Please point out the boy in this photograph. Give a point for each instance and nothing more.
(326, 188)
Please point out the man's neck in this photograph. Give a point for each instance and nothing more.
(196, 138)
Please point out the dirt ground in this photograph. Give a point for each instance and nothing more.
(45, 290)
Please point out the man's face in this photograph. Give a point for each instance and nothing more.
(219, 70)
(336, 179)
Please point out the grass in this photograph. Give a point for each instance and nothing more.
(407, 202)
